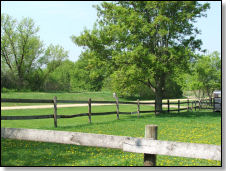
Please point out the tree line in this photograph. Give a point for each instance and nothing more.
(144, 48)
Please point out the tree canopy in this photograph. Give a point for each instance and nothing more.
(20, 46)
(24, 57)
(144, 42)
(205, 76)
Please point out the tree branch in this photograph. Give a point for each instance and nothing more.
(151, 86)
(23, 50)
(148, 84)
(12, 46)
(5, 55)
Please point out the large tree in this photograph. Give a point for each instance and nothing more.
(20, 46)
(144, 42)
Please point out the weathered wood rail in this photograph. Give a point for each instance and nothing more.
(148, 146)
(190, 106)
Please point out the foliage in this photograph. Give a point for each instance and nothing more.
(172, 89)
(53, 57)
(206, 75)
(8, 80)
(59, 78)
(36, 80)
(20, 47)
(87, 74)
(143, 42)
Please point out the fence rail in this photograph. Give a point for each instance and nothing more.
(130, 144)
(194, 105)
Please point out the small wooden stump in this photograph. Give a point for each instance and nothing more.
(150, 132)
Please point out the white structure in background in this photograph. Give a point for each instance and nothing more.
(217, 100)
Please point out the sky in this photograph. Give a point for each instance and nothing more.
(59, 20)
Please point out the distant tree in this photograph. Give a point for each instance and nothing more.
(59, 78)
(206, 75)
(144, 42)
(87, 74)
(54, 55)
(20, 47)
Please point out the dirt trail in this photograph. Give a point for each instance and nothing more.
(77, 105)
(48, 106)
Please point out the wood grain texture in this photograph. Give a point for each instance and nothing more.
(129, 144)
(180, 149)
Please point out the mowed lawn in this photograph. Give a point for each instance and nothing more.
(194, 127)
(84, 96)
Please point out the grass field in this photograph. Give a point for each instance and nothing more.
(84, 96)
(194, 127)
(99, 96)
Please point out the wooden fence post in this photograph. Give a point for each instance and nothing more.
(117, 104)
(55, 111)
(214, 104)
(150, 132)
(188, 105)
(199, 104)
(138, 108)
(195, 105)
(155, 107)
(178, 106)
(168, 106)
(89, 104)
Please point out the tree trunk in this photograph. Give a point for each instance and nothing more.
(160, 84)
(158, 89)
(158, 99)
(20, 82)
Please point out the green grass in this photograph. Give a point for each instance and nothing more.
(84, 96)
(194, 127)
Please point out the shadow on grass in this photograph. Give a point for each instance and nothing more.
(133, 118)
(98, 123)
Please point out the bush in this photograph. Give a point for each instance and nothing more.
(59, 79)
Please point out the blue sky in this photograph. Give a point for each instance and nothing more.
(61, 19)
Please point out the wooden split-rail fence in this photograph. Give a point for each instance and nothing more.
(191, 105)
(150, 146)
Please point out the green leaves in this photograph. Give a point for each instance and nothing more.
(143, 41)
(206, 74)
(23, 55)
(21, 47)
